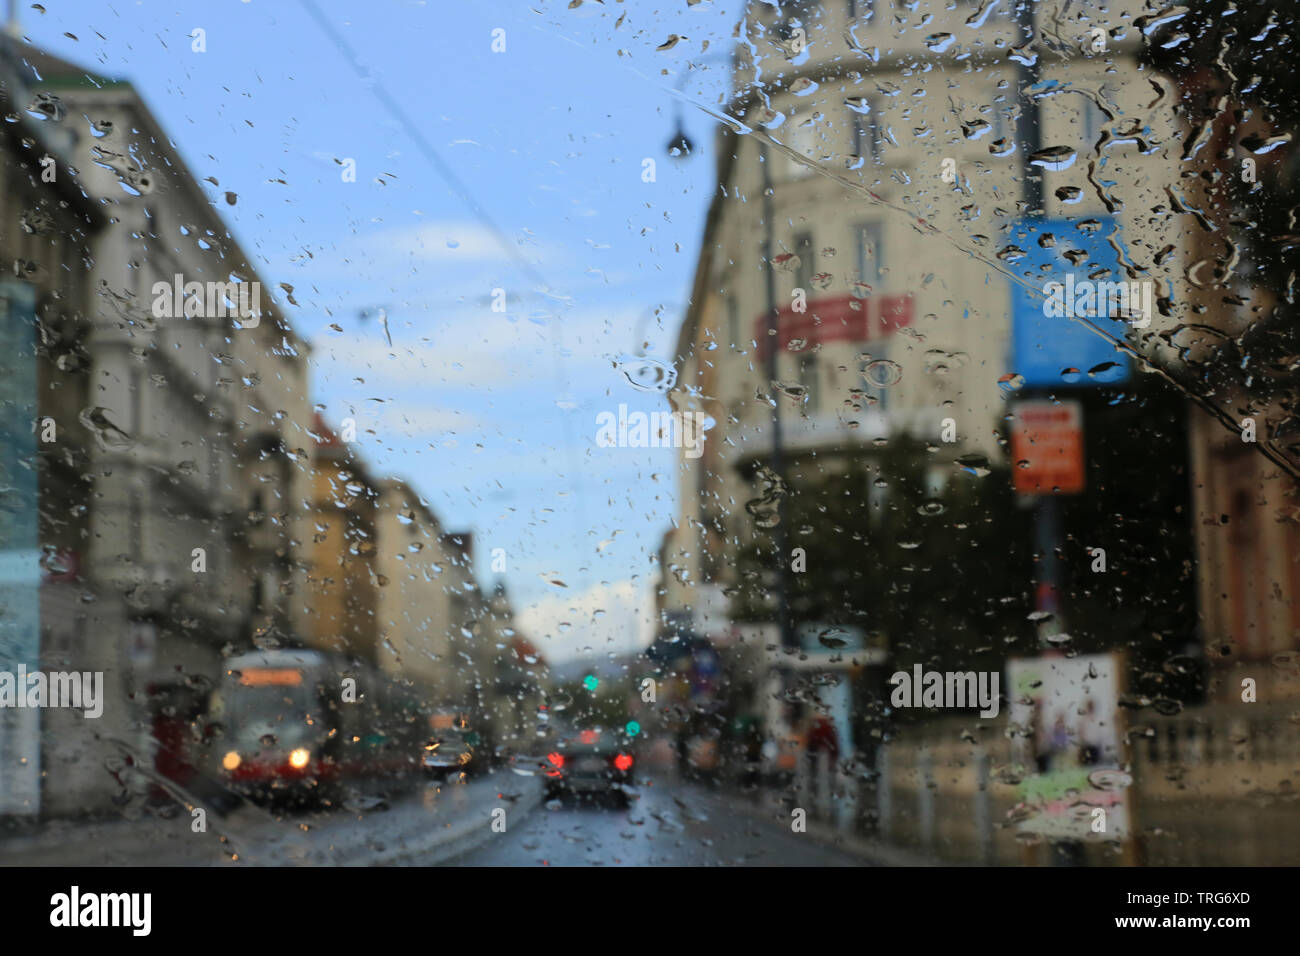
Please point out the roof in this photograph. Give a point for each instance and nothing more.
(403, 488)
(49, 70)
(22, 134)
(39, 69)
(325, 436)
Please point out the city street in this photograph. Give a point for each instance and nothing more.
(668, 825)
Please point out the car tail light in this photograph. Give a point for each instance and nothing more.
(623, 762)
(556, 760)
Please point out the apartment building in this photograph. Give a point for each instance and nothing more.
(343, 581)
(47, 228)
(193, 422)
(387, 583)
(873, 173)
(418, 612)
(1246, 496)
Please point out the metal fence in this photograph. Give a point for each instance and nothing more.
(1214, 785)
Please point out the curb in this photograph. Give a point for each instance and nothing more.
(429, 844)
(832, 838)
(455, 839)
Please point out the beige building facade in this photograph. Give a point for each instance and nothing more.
(192, 427)
(886, 134)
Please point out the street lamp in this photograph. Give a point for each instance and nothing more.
(679, 147)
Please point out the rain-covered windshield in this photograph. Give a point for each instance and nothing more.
(872, 425)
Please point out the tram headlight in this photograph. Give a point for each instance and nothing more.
(299, 758)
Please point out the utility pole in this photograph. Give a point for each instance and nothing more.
(784, 621)
(1047, 509)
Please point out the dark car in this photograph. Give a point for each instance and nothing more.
(452, 748)
(590, 761)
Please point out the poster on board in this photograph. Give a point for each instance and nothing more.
(1070, 742)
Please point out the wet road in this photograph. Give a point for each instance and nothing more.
(671, 824)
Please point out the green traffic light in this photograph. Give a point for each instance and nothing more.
(632, 728)
(590, 682)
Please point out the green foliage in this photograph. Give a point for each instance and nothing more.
(945, 576)
(946, 572)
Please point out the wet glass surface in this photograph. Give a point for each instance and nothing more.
(854, 433)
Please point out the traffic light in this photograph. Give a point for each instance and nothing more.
(590, 682)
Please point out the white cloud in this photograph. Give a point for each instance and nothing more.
(437, 241)
(424, 363)
(411, 421)
(477, 348)
(614, 617)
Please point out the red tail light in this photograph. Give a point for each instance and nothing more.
(623, 762)
(556, 760)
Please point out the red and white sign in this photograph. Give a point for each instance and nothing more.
(1047, 447)
(838, 319)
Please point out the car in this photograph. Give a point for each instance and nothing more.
(452, 748)
(590, 761)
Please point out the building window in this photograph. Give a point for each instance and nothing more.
(997, 115)
(870, 263)
(801, 137)
(872, 375)
(1092, 119)
(808, 379)
(802, 9)
(866, 134)
(803, 249)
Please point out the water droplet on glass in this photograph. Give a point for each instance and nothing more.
(1110, 779)
(974, 464)
(647, 374)
(938, 42)
(882, 373)
(1055, 158)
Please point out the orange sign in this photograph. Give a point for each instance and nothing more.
(271, 677)
(1047, 447)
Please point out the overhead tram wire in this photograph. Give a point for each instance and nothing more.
(463, 193)
(426, 148)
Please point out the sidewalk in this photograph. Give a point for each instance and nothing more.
(769, 808)
(425, 826)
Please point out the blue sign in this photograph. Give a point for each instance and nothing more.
(1071, 269)
(20, 728)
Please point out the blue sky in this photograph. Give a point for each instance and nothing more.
(490, 416)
